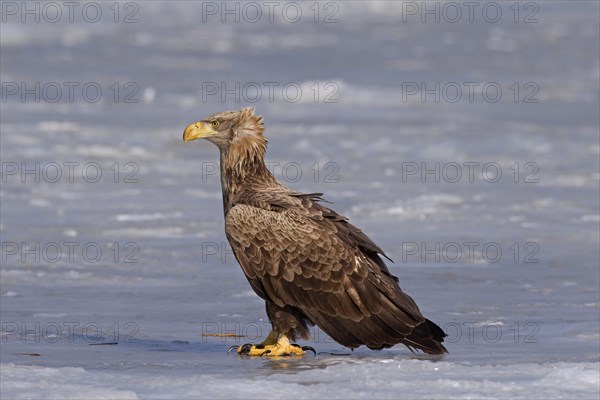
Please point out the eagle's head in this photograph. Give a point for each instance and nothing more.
(240, 139)
(229, 129)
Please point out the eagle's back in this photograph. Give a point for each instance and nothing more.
(297, 252)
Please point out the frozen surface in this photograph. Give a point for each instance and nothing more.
(141, 322)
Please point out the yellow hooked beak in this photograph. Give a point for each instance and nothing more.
(198, 130)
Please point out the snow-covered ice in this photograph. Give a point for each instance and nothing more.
(116, 277)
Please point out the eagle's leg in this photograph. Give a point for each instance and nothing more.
(281, 347)
(286, 322)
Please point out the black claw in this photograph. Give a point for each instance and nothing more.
(231, 348)
(304, 348)
(246, 348)
(308, 348)
(265, 352)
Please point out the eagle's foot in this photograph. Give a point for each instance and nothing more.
(282, 347)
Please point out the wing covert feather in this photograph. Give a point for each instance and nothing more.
(304, 263)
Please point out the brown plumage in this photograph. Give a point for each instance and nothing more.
(307, 262)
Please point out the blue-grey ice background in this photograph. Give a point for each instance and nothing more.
(516, 329)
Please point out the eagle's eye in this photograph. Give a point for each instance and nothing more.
(215, 123)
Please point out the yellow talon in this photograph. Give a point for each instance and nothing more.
(283, 347)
